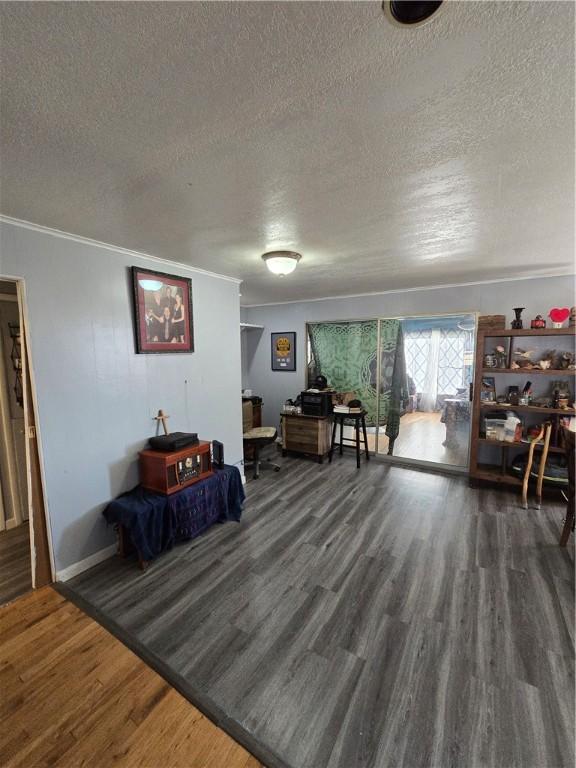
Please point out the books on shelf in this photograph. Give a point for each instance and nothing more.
(346, 409)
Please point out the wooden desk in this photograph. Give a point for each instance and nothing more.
(309, 435)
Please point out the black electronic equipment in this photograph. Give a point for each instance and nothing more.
(321, 382)
(175, 441)
(217, 454)
(316, 403)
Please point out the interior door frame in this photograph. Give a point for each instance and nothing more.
(41, 543)
(421, 463)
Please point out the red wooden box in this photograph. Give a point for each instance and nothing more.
(170, 472)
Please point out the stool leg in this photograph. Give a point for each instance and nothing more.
(365, 439)
(357, 429)
(332, 442)
(255, 474)
(341, 436)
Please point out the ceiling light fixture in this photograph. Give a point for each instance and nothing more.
(411, 13)
(281, 262)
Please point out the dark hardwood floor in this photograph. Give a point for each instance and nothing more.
(365, 619)
(15, 565)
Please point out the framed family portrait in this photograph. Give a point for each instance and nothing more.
(162, 312)
(284, 351)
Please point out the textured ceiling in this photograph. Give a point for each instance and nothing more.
(209, 133)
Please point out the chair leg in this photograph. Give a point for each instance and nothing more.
(529, 469)
(568, 523)
(365, 439)
(333, 441)
(341, 436)
(256, 467)
(542, 466)
(357, 430)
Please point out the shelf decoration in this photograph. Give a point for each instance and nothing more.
(538, 322)
(517, 323)
(558, 316)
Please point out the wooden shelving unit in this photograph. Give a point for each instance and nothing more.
(499, 472)
(528, 408)
(527, 371)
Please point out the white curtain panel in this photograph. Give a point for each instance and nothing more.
(430, 392)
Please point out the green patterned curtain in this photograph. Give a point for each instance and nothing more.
(389, 332)
(393, 382)
(346, 354)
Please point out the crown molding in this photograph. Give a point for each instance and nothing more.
(118, 249)
(553, 273)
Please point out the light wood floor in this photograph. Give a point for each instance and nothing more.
(421, 437)
(15, 566)
(72, 696)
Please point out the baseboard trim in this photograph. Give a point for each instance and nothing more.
(88, 562)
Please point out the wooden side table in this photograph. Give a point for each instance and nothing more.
(359, 420)
(309, 435)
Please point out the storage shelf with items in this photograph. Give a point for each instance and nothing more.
(508, 411)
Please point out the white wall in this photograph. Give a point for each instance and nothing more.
(537, 295)
(96, 396)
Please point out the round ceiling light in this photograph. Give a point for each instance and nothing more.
(410, 13)
(281, 262)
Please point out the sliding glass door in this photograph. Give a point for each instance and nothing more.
(412, 375)
(433, 425)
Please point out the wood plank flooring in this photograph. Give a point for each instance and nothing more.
(15, 565)
(422, 437)
(72, 696)
(365, 619)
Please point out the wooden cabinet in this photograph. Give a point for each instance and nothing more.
(168, 472)
(309, 435)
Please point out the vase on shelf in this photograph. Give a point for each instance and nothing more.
(517, 323)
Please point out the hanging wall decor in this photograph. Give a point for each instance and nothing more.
(283, 351)
(162, 312)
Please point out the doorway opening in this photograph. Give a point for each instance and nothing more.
(25, 553)
(435, 357)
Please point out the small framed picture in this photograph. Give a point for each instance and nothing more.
(283, 351)
(162, 312)
(488, 390)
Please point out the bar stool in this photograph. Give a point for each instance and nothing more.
(359, 420)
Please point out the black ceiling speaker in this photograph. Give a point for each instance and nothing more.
(411, 12)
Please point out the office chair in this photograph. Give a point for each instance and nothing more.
(255, 439)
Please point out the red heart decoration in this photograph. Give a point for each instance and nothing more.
(559, 315)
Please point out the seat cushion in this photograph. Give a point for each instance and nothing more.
(260, 433)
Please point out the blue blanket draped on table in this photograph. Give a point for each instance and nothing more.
(155, 522)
